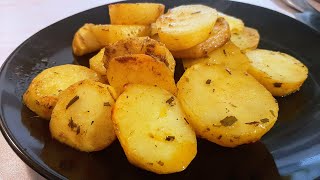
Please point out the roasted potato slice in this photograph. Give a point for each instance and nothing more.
(152, 130)
(280, 73)
(248, 39)
(139, 69)
(140, 45)
(42, 94)
(135, 13)
(228, 55)
(82, 116)
(96, 63)
(227, 107)
(90, 37)
(236, 25)
(220, 35)
(185, 26)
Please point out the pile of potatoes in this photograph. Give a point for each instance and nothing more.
(129, 93)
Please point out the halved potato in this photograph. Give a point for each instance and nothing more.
(139, 69)
(185, 26)
(42, 94)
(135, 13)
(140, 45)
(96, 63)
(82, 116)
(227, 107)
(151, 127)
(228, 55)
(280, 73)
(236, 25)
(248, 39)
(90, 37)
(220, 35)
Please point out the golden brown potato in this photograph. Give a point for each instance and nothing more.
(185, 26)
(220, 35)
(151, 127)
(90, 37)
(82, 116)
(139, 69)
(140, 45)
(42, 94)
(228, 55)
(135, 13)
(96, 63)
(280, 73)
(248, 39)
(227, 107)
(236, 25)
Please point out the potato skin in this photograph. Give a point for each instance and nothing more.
(248, 39)
(152, 130)
(280, 73)
(185, 26)
(227, 107)
(135, 13)
(82, 116)
(228, 55)
(140, 45)
(90, 37)
(42, 94)
(236, 25)
(139, 69)
(220, 35)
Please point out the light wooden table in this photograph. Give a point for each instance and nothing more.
(20, 19)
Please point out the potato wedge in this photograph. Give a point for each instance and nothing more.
(42, 94)
(228, 55)
(248, 39)
(220, 35)
(90, 37)
(139, 69)
(135, 13)
(152, 130)
(82, 116)
(140, 45)
(236, 25)
(227, 107)
(96, 63)
(280, 73)
(185, 26)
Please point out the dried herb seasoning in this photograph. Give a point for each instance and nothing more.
(208, 81)
(72, 101)
(197, 12)
(224, 52)
(228, 121)
(272, 113)
(186, 120)
(106, 104)
(170, 138)
(78, 130)
(71, 124)
(213, 90)
(170, 101)
(229, 71)
(160, 163)
(264, 120)
(277, 85)
(252, 123)
(92, 122)
(220, 136)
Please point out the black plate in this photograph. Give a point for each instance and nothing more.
(291, 146)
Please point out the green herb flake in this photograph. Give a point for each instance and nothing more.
(277, 85)
(228, 121)
(170, 138)
(72, 101)
(170, 101)
(264, 120)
